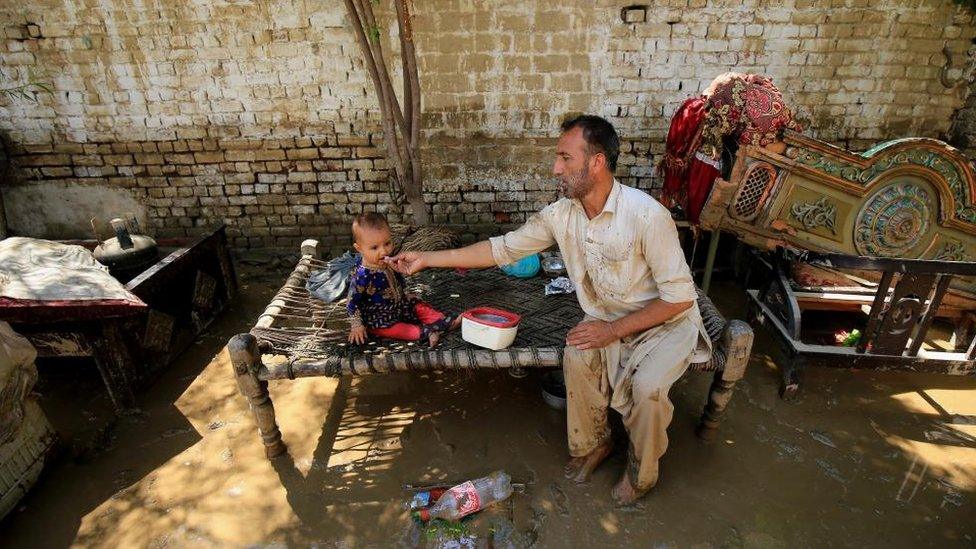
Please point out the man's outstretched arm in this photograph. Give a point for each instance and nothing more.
(532, 237)
(475, 256)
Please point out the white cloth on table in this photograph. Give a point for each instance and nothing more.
(44, 270)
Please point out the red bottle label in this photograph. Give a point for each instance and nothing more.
(467, 498)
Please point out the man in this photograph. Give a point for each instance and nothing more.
(642, 326)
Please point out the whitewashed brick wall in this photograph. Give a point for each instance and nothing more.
(260, 114)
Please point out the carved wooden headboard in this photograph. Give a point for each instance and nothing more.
(909, 198)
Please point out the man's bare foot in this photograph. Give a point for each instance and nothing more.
(580, 468)
(624, 494)
(435, 338)
(455, 324)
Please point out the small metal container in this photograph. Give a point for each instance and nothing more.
(554, 389)
(127, 254)
(553, 266)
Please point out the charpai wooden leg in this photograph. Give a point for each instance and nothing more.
(719, 395)
(245, 359)
(736, 345)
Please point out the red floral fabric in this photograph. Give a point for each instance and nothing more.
(746, 106)
(679, 148)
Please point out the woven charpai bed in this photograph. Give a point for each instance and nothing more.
(311, 336)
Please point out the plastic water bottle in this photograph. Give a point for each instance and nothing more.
(424, 498)
(469, 497)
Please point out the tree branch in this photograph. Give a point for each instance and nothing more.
(383, 71)
(407, 88)
(389, 132)
(402, 146)
(410, 75)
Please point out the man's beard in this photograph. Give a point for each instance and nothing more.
(576, 185)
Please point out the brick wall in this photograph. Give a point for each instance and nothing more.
(260, 114)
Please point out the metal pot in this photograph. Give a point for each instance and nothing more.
(554, 389)
(126, 255)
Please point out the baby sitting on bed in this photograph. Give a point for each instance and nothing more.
(378, 302)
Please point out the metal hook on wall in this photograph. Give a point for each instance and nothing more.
(736, 62)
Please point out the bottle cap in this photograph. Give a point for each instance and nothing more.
(423, 515)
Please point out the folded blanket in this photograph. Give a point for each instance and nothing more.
(43, 270)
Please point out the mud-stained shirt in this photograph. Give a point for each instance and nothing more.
(619, 261)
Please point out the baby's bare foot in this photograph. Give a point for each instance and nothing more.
(456, 324)
(435, 338)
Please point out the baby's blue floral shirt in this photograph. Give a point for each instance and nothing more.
(377, 298)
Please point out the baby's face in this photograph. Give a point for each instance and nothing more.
(374, 244)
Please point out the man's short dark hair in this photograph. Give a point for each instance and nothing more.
(369, 220)
(600, 136)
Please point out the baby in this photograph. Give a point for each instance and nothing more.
(378, 304)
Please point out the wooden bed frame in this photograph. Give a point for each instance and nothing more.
(896, 322)
(732, 345)
(181, 295)
(896, 222)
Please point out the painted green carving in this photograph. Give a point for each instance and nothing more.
(816, 214)
(920, 157)
(893, 221)
(952, 251)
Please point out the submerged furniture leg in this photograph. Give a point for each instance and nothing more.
(245, 359)
(227, 271)
(112, 361)
(719, 395)
(736, 343)
(962, 334)
(789, 385)
(710, 260)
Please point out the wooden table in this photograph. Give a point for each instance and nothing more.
(179, 297)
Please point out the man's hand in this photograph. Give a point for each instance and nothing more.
(594, 334)
(357, 335)
(408, 263)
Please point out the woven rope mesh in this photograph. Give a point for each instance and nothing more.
(309, 328)
(408, 238)
(306, 328)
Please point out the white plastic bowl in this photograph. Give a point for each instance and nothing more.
(489, 328)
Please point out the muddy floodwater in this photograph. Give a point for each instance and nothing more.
(862, 459)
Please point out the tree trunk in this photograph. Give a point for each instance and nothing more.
(401, 120)
(419, 209)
